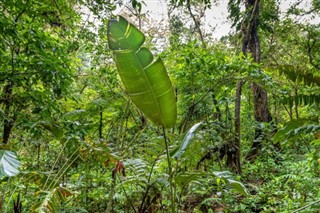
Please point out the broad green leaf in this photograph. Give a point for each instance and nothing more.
(238, 186)
(283, 133)
(145, 80)
(184, 179)
(9, 164)
(52, 127)
(227, 177)
(186, 140)
(223, 174)
(315, 142)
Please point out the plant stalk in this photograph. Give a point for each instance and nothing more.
(111, 194)
(304, 207)
(172, 197)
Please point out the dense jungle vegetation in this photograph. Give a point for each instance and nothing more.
(108, 113)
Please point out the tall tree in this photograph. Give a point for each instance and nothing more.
(251, 44)
(249, 25)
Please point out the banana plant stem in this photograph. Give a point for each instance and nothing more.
(169, 172)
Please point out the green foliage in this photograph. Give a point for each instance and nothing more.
(52, 200)
(84, 147)
(296, 129)
(302, 99)
(234, 12)
(227, 177)
(299, 74)
(151, 90)
(288, 184)
(223, 178)
(207, 3)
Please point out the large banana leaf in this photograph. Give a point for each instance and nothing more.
(145, 80)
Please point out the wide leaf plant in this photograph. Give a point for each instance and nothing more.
(145, 79)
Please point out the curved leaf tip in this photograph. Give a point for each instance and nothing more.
(186, 141)
(123, 35)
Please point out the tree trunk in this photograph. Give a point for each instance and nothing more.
(9, 119)
(217, 115)
(261, 114)
(233, 152)
(251, 44)
(101, 123)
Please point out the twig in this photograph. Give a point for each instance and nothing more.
(311, 204)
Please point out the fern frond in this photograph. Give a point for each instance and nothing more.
(298, 74)
(295, 128)
(301, 99)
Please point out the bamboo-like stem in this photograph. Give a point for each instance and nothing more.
(54, 164)
(172, 194)
(125, 194)
(111, 193)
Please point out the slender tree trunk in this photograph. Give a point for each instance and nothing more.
(234, 152)
(251, 44)
(217, 115)
(296, 106)
(9, 119)
(109, 208)
(101, 123)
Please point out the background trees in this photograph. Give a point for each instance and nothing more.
(82, 146)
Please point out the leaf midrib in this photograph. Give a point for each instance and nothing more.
(128, 29)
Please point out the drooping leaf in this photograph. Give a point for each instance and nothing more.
(227, 177)
(145, 80)
(298, 73)
(315, 142)
(184, 179)
(238, 186)
(9, 164)
(225, 174)
(52, 127)
(283, 133)
(186, 140)
(302, 99)
(52, 200)
(36, 177)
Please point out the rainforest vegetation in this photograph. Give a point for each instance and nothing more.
(109, 110)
